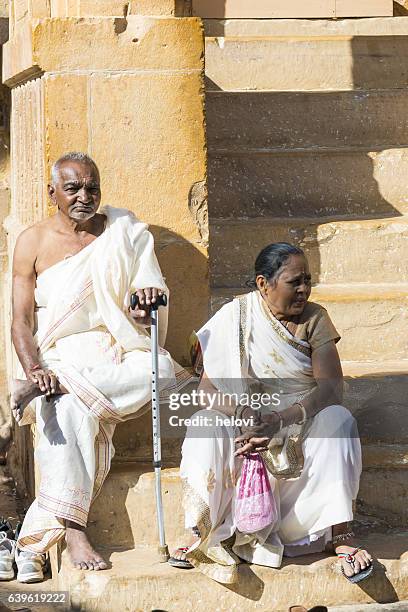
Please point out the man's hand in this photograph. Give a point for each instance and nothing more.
(45, 380)
(147, 297)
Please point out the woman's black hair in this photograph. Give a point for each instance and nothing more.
(271, 259)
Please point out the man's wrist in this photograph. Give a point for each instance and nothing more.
(32, 367)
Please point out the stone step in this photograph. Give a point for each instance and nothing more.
(364, 381)
(270, 120)
(307, 182)
(345, 252)
(369, 318)
(290, 56)
(137, 582)
(124, 514)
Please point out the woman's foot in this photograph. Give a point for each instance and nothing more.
(178, 557)
(81, 553)
(353, 558)
(23, 392)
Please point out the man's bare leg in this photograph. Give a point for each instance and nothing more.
(80, 550)
(23, 392)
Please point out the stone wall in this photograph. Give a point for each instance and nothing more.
(128, 90)
(4, 210)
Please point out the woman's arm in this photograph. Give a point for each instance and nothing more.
(329, 390)
(258, 429)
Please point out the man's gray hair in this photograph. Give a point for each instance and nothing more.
(83, 158)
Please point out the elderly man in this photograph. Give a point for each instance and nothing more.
(85, 354)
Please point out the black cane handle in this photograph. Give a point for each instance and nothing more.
(161, 300)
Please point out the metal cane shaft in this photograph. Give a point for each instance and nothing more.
(156, 427)
(161, 300)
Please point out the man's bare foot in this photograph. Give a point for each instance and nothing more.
(81, 553)
(23, 392)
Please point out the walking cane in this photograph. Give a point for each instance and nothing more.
(161, 300)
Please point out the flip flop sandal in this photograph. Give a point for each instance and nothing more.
(363, 574)
(181, 563)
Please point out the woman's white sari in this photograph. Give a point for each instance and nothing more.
(244, 345)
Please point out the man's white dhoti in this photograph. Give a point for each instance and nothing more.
(263, 351)
(86, 336)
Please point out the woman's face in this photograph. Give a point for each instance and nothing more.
(287, 295)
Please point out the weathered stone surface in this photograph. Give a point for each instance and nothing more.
(4, 9)
(262, 120)
(66, 102)
(382, 491)
(339, 183)
(338, 252)
(138, 582)
(88, 8)
(369, 318)
(125, 513)
(320, 63)
(125, 44)
(233, 28)
(177, 8)
(239, 9)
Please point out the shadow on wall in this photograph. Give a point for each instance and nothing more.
(323, 156)
(184, 268)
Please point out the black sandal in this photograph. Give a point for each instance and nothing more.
(181, 563)
(363, 574)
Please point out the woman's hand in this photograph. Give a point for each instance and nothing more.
(146, 297)
(252, 445)
(257, 438)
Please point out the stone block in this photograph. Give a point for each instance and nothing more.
(65, 115)
(176, 8)
(88, 8)
(280, 9)
(319, 63)
(368, 318)
(305, 28)
(28, 180)
(4, 9)
(150, 157)
(30, 9)
(286, 121)
(138, 582)
(383, 493)
(343, 183)
(125, 512)
(339, 252)
(115, 44)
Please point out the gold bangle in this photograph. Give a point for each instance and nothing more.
(303, 411)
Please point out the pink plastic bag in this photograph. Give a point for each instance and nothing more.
(255, 506)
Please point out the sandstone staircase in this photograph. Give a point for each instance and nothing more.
(307, 134)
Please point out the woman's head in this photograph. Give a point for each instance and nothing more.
(283, 278)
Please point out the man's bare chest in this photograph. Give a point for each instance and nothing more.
(51, 251)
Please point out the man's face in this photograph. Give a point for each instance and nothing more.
(77, 192)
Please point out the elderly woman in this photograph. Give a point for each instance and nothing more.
(272, 340)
